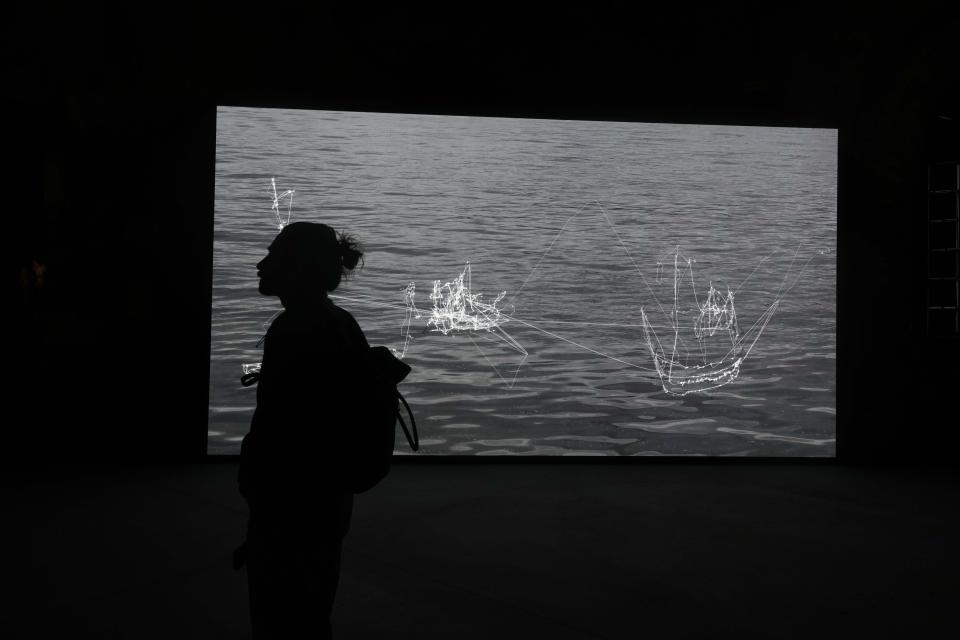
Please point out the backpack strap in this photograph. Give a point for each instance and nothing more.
(415, 440)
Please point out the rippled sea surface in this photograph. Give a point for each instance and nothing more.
(578, 223)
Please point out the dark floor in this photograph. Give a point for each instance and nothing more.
(505, 551)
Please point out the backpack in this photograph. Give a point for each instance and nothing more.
(369, 442)
(364, 445)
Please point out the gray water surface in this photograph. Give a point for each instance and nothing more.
(754, 207)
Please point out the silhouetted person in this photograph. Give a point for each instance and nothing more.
(299, 506)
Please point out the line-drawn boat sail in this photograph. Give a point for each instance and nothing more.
(721, 347)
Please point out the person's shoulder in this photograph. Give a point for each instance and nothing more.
(344, 315)
(346, 319)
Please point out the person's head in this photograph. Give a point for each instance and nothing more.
(306, 259)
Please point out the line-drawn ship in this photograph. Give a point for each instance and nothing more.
(457, 308)
(716, 319)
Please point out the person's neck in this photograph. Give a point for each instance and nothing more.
(304, 301)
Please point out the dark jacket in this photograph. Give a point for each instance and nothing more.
(305, 398)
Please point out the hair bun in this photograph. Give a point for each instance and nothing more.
(350, 251)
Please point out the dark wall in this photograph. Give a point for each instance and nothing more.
(112, 177)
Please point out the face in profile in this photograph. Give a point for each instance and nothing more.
(271, 272)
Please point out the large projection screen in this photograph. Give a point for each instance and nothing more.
(558, 287)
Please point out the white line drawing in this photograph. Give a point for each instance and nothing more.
(277, 199)
(457, 309)
(681, 370)
(716, 317)
(409, 293)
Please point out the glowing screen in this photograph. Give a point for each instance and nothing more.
(558, 287)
